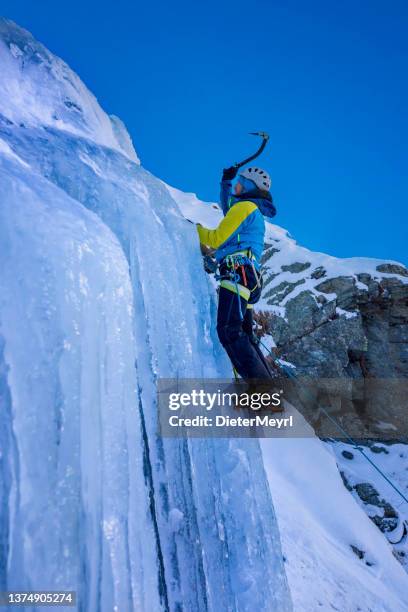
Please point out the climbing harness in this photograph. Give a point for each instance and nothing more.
(233, 276)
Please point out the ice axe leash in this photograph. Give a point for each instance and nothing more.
(265, 138)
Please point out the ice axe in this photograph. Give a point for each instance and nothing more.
(265, 138)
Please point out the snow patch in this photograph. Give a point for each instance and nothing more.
(346, 313)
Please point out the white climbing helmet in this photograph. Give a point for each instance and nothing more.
(258, 176)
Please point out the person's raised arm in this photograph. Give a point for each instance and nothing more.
(214, 238)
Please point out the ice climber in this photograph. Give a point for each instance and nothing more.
(238, 242)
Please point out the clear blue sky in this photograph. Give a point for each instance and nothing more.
(328, 81)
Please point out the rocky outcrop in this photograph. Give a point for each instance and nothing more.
(319, 334)
(334, 318)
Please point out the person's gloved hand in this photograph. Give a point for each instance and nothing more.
(210, 264)
(228, 174)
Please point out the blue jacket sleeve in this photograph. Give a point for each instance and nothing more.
(225, 194)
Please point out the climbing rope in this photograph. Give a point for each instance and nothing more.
(341, 429)
(236, 279)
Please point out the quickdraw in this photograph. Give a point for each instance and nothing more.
(235, 262)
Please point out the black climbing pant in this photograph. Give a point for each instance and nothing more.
(235, 331)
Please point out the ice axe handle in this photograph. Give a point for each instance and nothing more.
(265, 138)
